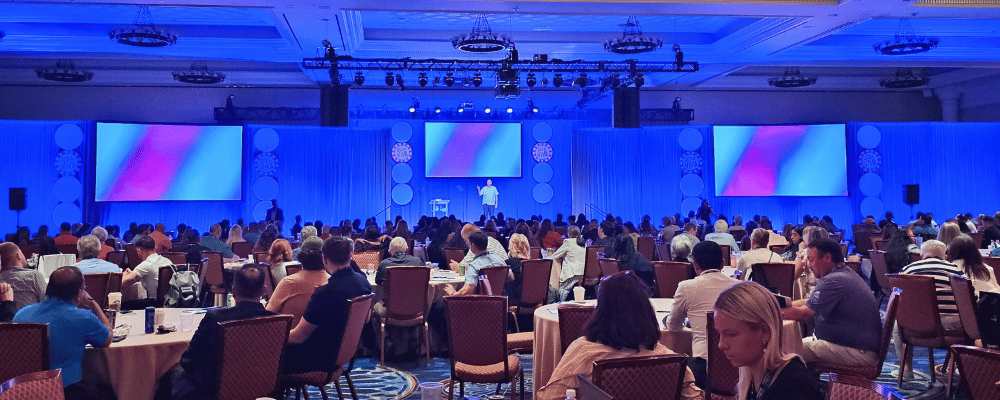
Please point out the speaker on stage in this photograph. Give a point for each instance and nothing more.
(333, 105)
(16, 199)
(912, 194)
(626, 107)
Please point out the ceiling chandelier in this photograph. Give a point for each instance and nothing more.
(632, 40)
(791, 79)
(482, 39)
(904, 79)
(905, 42)
(199, 74)
(143, 32)
(64, 71)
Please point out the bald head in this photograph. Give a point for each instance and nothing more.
(468, 229)
(65, 284)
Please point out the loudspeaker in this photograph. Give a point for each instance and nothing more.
(333, 105)
(16, 199)
(626, 107)
(912, 194)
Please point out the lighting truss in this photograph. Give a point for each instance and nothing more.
(577, 66)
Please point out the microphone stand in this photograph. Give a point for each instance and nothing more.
(380, 212)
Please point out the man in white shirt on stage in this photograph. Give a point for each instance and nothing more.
(490, 196)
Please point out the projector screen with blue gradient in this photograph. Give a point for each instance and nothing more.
(168, 162)
(799, 160)
(472, 150)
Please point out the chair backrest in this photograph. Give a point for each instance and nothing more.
(837, 236)
(591, 267)
(642, 378)
(296, 306)
(777, 248)
(25, 349)
(420, 237)
(993, 262)
(358, 314)
(98, 286)
(846, 387)
(981, 369)
(589, 391)
(965, 300)
(572, 322)
(535, 252)
(720, 374)
(67, 249)
(163, 283)
(116, 258)
(211, 268)
(176, 258)
(726, 255)
(497, 276)
(41, 385)
(878, 243)
(745, 243)
(738, 234)
(780, 276)
(888, 324)
(669, 274)
(409, 245)
(663, 251)
(261, 258)
(561, 230)
(843, 249)
(609, 266)
(292, 268)
(477, 326)
(29, 249)
(133, 255)
(534, 282)
(242, 249)
(406, 292)
(977, 238)
(854, 265)
(454, 254)
(646, 246)
(251, 356)
(918, 316)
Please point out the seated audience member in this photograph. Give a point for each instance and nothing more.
(65, 237)
(606, 236)
(670, 229)
(213, 243)
(148, 271)
(774, 238)
(266, 239)
(795, 243)
(843, 308)
(964, 252)
(749, 324)
(402, 230)
(297, 227)
(991, 232)
(75, 320)
(520, 250)
(548, 236)
(722, 236)
(898, 250)
(142, 230)
(197, 378)
(317, 336)
(307, 232)
(373, 240)
(302, 283)
(278, 257)
(46, 246)
(397, 247)
(949, 231)
(492, 246)
(934, 254)
(159, 235)
(190, 245)
(630, 260)
(235, 236)
(810, 234)
(623, 325)
(252, 233)
(479, 245)
(102, 236)
(7, 306)
(573, 255)
(28, 285)
(759, 252)
(680, 248)
(695, 298)
(925, 227)
(89, 248)
(691, 233)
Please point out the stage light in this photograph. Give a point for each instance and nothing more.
(359, 78)
(437, 110)
(581, 81)
(488, 110)
(531, 80)
(477, 79)
(399, 81)
(422, 80)
(413, 110)
(389, 80)
(557, 81)
(639, 80)
(510, 110)
(449, 79)
(461, 110)
(545, 81)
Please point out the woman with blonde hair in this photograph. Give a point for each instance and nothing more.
(235, 235)
(278, 256)
(748, 320)
(520, 250)
(949, 231)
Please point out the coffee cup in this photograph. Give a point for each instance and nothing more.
(578, 293)
(115, 301)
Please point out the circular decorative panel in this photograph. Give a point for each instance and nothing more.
(690, 204)
(402, 194)
(266, 140)
(870, 184)
(542, 132)
(872, 206)
(69, 136)
(541, 152)
(266, 164)
(869, 160)
(542, 172)
(690, 162)
(402, 173)
(542, 193)
(692, 185)
(67, 212)
(402, 131)
(260, 210)
(689, 139)
(68, 163)
(869, 137)
(265, 188)
(67, 189)
(402, 152)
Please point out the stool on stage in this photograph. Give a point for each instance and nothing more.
(439, 205)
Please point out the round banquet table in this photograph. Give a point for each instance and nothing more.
(134, 365)
(548, 352)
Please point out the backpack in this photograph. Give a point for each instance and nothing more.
(183, 292)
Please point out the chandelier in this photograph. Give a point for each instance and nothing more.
(143, 32)
(905, 42)
(482, 39)
(791, 79)
(904, 79)
(64, 71)
(199, 74)
(632, 40)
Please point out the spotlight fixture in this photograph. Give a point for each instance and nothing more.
(531, 80)
(422, 80)
(904, 79)
(461, 110)
(413, 109)
(143, 32)
(545, 81)
(581, 81)
(437, 80)
(389, 80)
(510, 110)
(466, 81)
(477, 79)
(639, 80)
(449, 79)
(905, 42)
(481, 39)
(399, 82)
(200, 75)
(791, 79)
(632, 40)
(437, 110)
(359, 78)
(64, 71)
(487, 110)
(557, 81)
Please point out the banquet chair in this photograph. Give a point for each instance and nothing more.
(609, 266)
(453, 254)
(212, 275)
(420, 237)
(535, 253)
(965, 301)
(163, 284)
(176, 258)
(572, 323)
(843, 249)
(738, 234)
(409, 246)
(642, 378)
(116, 258)
(780, 276)
(663, 251)
(261, 257)
(251, 356)
(745, 243)
(359, 313)
(478, 330)
(914, 257)
(591, 267)
(534, 286)
(856, 266)
(869, 372)
(878, 244)
(777, 248)
(668, 275)
(561, 230)
(405, 301)
(646, 246)
(25, 348)
(920, 323)
(497, 278)
(99, 285)
(993, 262)
(837, 236)
(977, 238)
(980, 369)
(29, 250)
(242, 249)
(720, 374)
(41, 385)
(292, 269)
(848, 387)
(68, 249)
(589, 391)
(132, 256)
(726, 253)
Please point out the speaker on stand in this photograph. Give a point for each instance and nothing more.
(15, 197)
(912, 196)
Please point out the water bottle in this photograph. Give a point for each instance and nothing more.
(150, 319)
(570, 394)
(230, 301)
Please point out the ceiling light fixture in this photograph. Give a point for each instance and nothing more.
(531, 81)
(422, 80)
(449, 79)
(64, 71)
(639, 80)
(632, 40)
(143, 32)
(481, 39)
(200, 75)
(904, 79)
(359, 78)
(389, 80)
(477, 79)
(557, 80)
(791, 79)
(905, 42)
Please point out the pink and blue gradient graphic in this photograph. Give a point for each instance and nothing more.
(168, 162)
(482, 150)
(801, 160)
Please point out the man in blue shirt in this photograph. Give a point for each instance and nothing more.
(490, 196)
(75, 320)
(212, 241)
(478, 245)
(89, 248)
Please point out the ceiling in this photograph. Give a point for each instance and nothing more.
(261, 43)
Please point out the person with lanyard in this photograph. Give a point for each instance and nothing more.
(490, 197)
